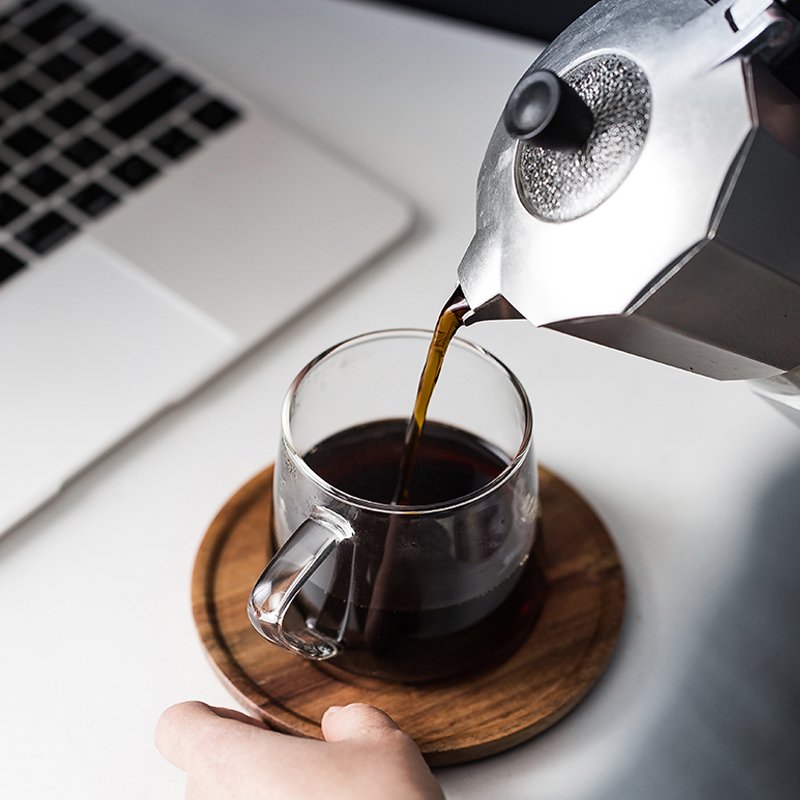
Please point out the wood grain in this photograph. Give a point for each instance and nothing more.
(453, 721)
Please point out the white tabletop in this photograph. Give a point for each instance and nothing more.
(698, 481)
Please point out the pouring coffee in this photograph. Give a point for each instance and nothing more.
(413, 579)
(639, 191)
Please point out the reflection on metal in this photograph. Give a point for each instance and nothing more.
(684, 248)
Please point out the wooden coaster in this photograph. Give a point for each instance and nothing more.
(454, 721)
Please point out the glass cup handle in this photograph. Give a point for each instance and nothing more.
(313, 541)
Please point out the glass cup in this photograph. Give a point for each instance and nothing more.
(402, 592)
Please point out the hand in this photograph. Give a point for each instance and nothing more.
(229, 755)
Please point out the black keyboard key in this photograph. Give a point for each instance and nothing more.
(67, 113)
(93, 199)
(10, 208)
(53, 23)
(174, 143)
(4, 168)
(20, 94)
(26, 140)
(100, 40)
(85, 152)
(148, 109)
(9, 264)
(60, 67)
(215, 115)
(118, 78)
(134, 171)
(46, 232)
(9, 56)
(44, 180)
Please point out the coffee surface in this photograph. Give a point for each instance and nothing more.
(363, 461)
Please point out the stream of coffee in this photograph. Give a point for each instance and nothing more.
(450, 320)
(454, 601)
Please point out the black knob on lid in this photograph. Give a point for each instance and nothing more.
(547, 111)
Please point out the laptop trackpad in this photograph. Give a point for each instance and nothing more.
(90, 348)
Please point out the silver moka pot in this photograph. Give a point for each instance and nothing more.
(642, 190)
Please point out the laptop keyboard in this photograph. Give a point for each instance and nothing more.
(88, 116)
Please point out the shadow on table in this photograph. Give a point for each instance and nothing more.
(734, 730)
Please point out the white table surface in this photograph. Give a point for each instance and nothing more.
(698, 481)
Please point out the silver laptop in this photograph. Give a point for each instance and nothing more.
(154, 227)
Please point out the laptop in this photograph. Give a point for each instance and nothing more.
(154, 227)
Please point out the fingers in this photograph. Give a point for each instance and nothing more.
(356, 721)
(182, 729)
(229, 713)
(178, 727)
(191, 731)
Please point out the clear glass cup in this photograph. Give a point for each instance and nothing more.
(403, 592)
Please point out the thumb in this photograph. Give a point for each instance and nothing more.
(399, 759)
(356, 721)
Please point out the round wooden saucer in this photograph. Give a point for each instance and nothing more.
(453, 721)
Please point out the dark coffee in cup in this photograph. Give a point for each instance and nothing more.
(407, 551)
(363, 461)
(415, 619)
